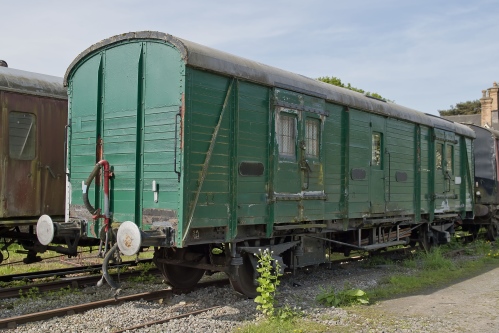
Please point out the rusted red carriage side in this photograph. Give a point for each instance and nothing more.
(33, 116)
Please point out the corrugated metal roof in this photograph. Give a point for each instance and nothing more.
(200, 56)
(24, 82)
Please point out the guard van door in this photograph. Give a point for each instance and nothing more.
(378, 165)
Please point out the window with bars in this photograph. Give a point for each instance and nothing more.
(22, 135)
(312, 137)
(376, 149)
(286, 136)
(438, 156)
(450, 159)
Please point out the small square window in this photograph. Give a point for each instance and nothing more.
(312, 128)
(22, 135)
(286, 136)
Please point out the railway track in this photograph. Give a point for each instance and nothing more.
(66, 271)
(74, 282)
(13, 322)
(161, 321)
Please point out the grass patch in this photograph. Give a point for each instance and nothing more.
(291, 326)
(441, 266)
(434, 269)
(13, 262)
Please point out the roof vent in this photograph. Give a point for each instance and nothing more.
(3, 63)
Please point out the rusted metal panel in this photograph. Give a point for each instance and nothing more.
(15, 80)
(33, 117)
(485, 154)
(200, 56)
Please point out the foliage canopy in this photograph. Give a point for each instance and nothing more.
(463, 108)
(337, 82)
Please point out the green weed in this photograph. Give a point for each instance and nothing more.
(345, 297)
(298, 326)
(268, 280)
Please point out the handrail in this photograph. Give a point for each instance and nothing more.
(178, 115)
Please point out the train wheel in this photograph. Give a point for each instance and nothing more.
(244, 281)
(426, 241)
(182, 277)
(493, 231)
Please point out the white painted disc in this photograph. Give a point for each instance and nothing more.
(45, 230)
(129, 238)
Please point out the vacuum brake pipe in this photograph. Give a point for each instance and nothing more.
(96, 214)
(105, 273)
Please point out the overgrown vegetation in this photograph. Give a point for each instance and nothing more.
(345, 297)
(418, 271)
(269, 273)
(268, 280)
(463, 108)
(435, 268)
(337, 82)
(145, 276)
(14, 255)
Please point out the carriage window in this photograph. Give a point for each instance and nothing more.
(450, 158)
(22, 135)
(376, 149)
(312, 137)
(286, 136)
(438, 156)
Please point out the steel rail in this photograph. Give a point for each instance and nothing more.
(161, 321)
(65, 271)
(12, 322)
(76, 282)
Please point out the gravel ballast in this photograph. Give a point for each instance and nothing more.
(298, 292)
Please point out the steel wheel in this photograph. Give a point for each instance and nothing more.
(178, 276)
(244, 281)
(493, 231)
(426, 241)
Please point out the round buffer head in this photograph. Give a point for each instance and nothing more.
(129, 238)
(45, 230)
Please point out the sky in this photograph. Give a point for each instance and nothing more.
(424, 54)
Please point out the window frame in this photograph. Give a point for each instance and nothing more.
(31, 137)
(318, 122)
(449, 149)
(289, 114)
(439, 163)
(378, 165)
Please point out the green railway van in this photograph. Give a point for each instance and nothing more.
(210, 158)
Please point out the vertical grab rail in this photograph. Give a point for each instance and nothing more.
(66, 131)
(178, 115)
(389, 175)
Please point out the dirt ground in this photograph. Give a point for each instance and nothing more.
(473, 303)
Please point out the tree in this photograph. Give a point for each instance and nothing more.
(468, 107)
(337, 82)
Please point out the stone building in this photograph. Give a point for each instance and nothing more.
(490, 108)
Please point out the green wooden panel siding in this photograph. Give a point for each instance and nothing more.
(205, 95)
(119, 111)
(83, 96)
(252, 146)
(334, 161)
(400, 143)
(141, 91)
